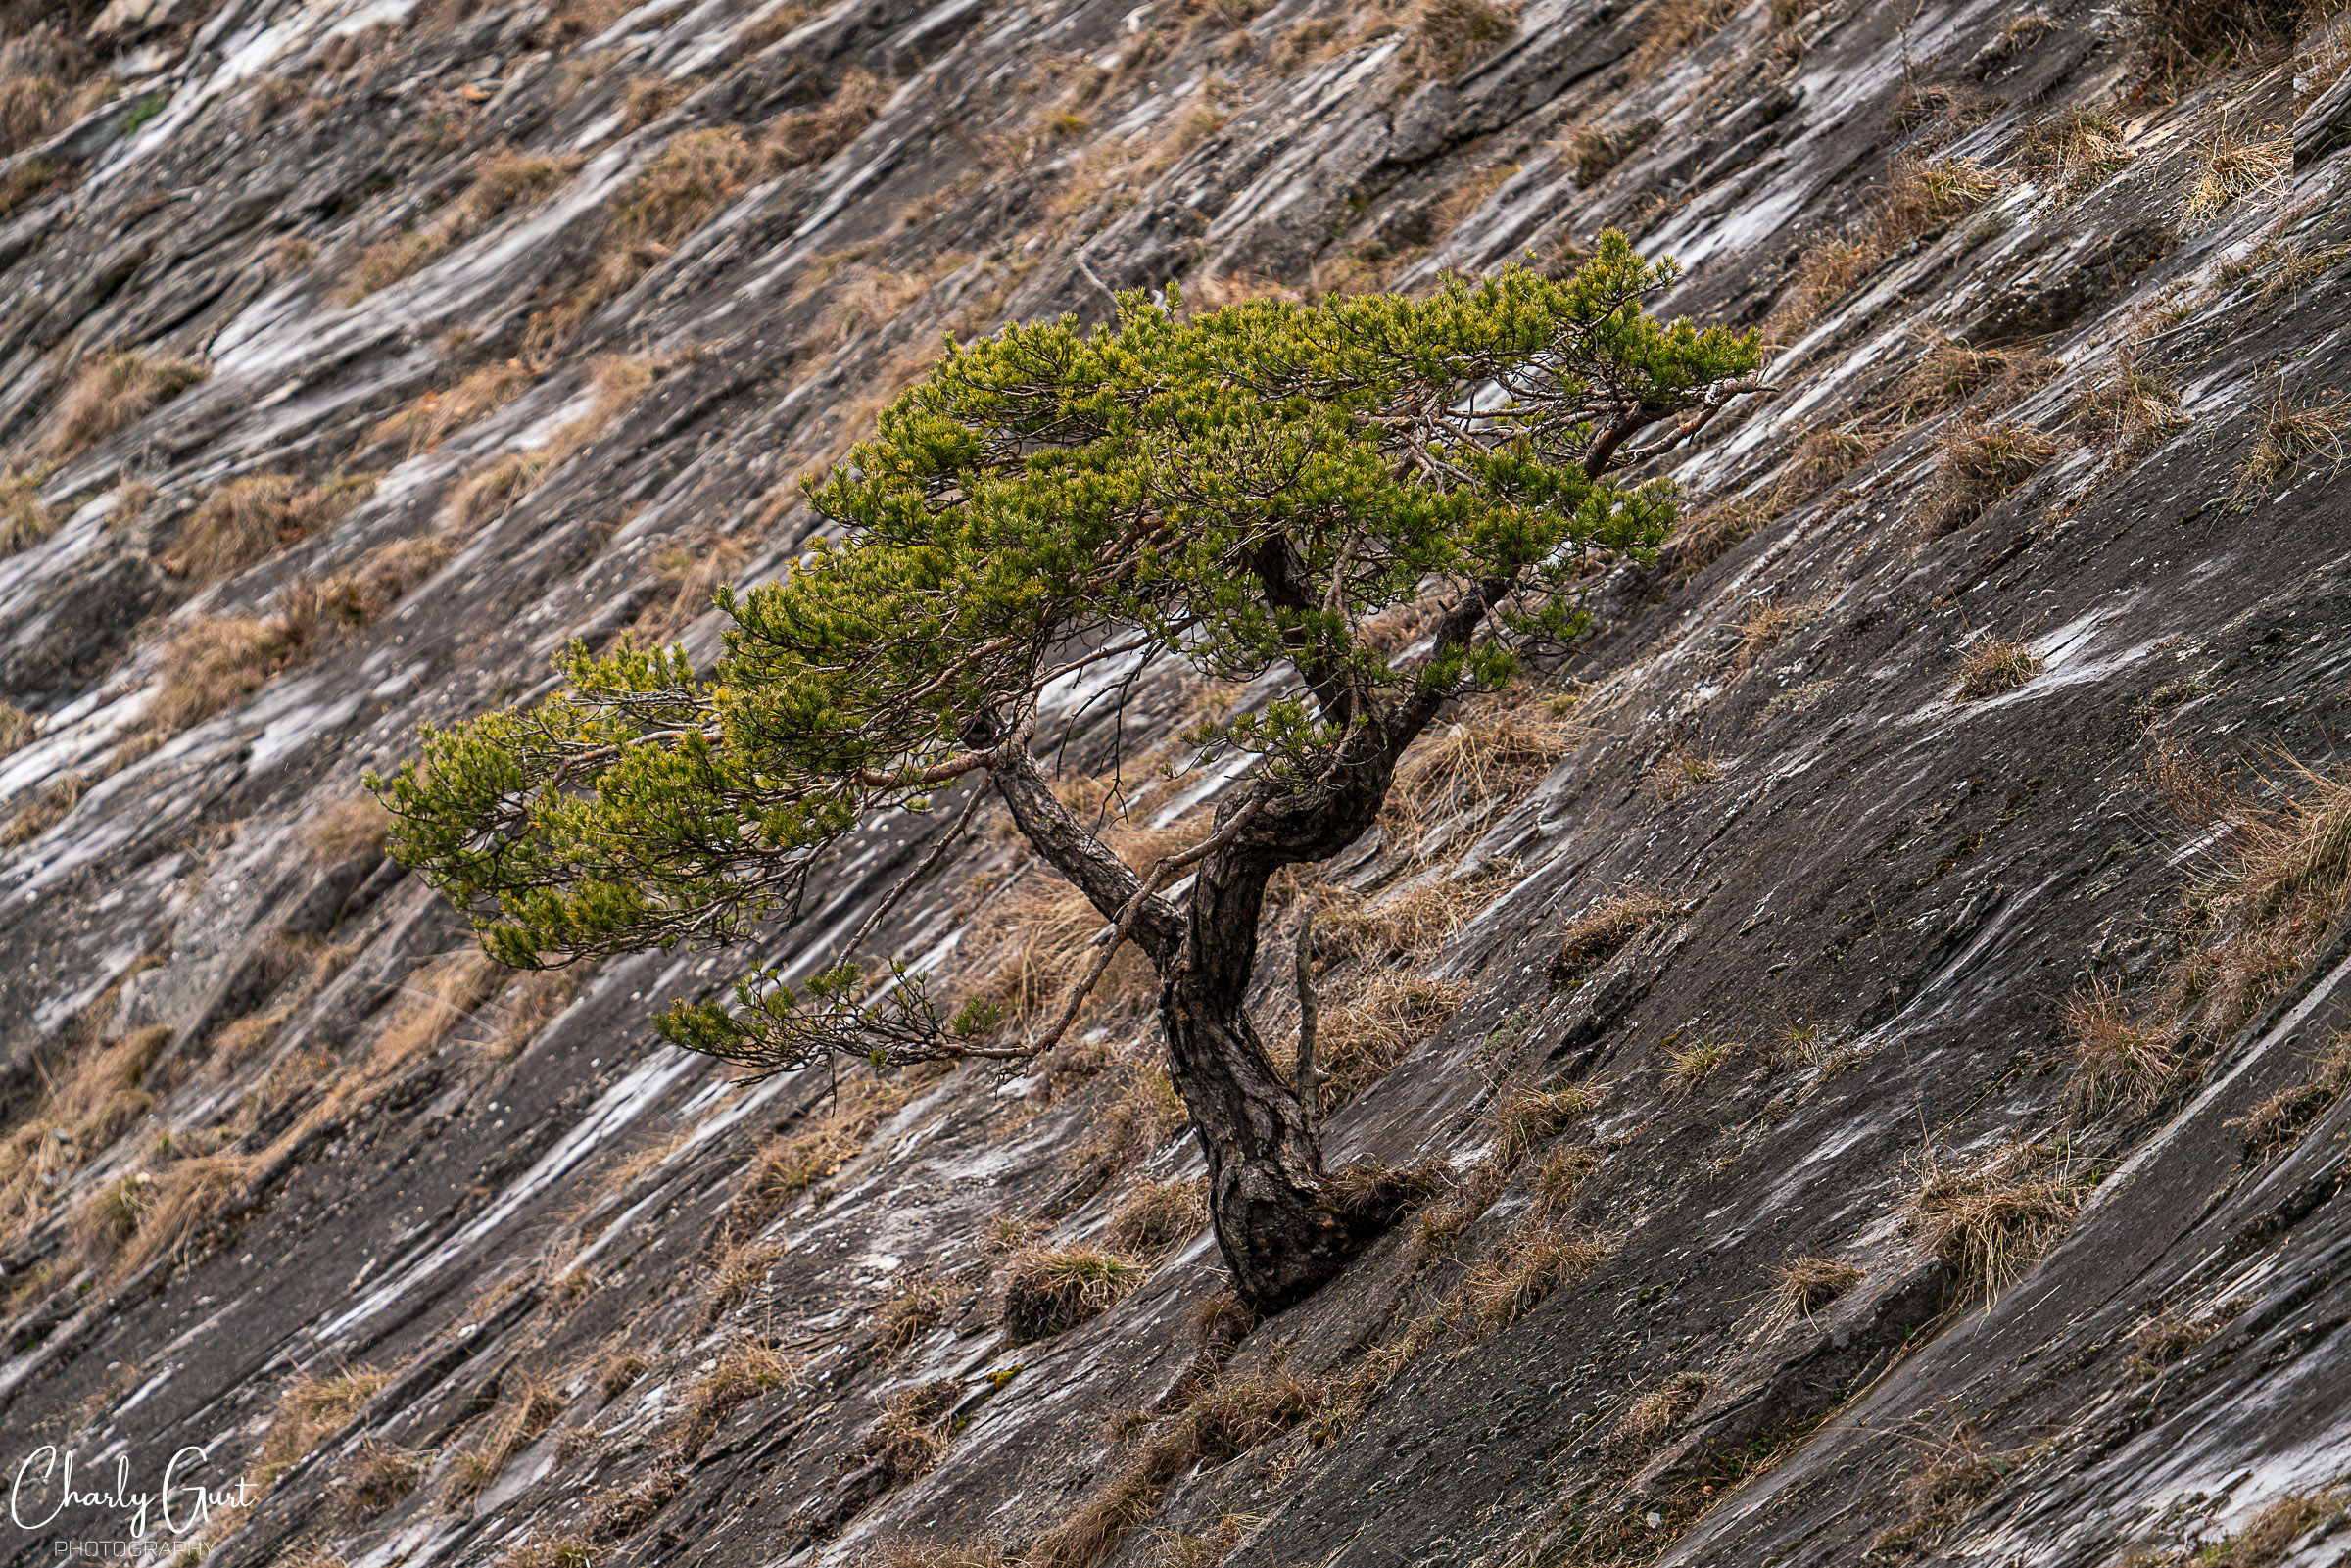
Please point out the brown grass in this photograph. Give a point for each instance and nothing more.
(1918, 196)
(112, 391)
(2280, 1120)
(1692, 1065)
(2229, 166)
(312, 1408)
(2292, 431)
(1048, 1293)
(1157, 1217)
(440, 998)
(1647, 1418)
(616, 384)
(1496, 748)
(1597, 149)
(2184, 42)
(692, 572)
(744, 1371)
(2116, 1056)
(211, 664)
(908, 1439)
(426, 423)
(1941, 1494)
(679, 190)
(1368, 1029)
(1804, 1286)
(2139, 406)
(1764, 626)
(18, 729)
(381, 1475)
(350, 828)
(1449, 36)
(1992, 665)
(249, 519)
(2073, 149)
(1945, 372)
(1534, 1259)
(27, 181)
(809, 137)
(1991, 1222)
(1605, 930)
(23, 521)
(1980, 465)
(1676, 25)
(521, 1416)
(502, 182)
(915, 1312)
(2270, 1535)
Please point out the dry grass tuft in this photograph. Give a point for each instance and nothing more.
(382, 1474)
(1157, 1217)
(1763, 626)
(2270, 1535)
(915, 1312)
(1992, 665)
(211, 664)
(1804, 1286)
(1981, 463)
(1494, 749)
(1918, 196)
(908, 1439)
(312, 1409)
(2278, 1121)
(2136, 406)
(1597, 149)
(744, 1371)
(1941, 1494)
(809, 137)
(2184, 42)
(1690, 1067)
(1048, 1293)
(1528, 1115)
(348, 829)
(1675, 27)
(1605, 930)
(2156, 1342)
(1945, 372)
(18, 729)
(249, 519)
(2073, 149)
(112, 391)
(1647, 1418)
(2292, 431)
(1370, 1029)
(23, 521)
(2230, 166)
(692, 572)
(502, 182)
(2115, 1056)
(1989, 1222)
(1534, 1259)
(1449, 36)
(679, 190)
(426, 423)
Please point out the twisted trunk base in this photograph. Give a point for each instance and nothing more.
(1277, 1222)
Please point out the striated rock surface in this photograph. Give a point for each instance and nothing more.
(1930, 873)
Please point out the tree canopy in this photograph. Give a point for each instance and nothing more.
(1239, 489)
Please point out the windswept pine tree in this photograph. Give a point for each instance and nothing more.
(1239, 490)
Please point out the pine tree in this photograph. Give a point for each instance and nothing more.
(1238, 490)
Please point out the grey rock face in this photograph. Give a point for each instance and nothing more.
(476, 1270)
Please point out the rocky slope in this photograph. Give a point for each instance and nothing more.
(1879, 998)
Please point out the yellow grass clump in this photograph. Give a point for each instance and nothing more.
(112, 391)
